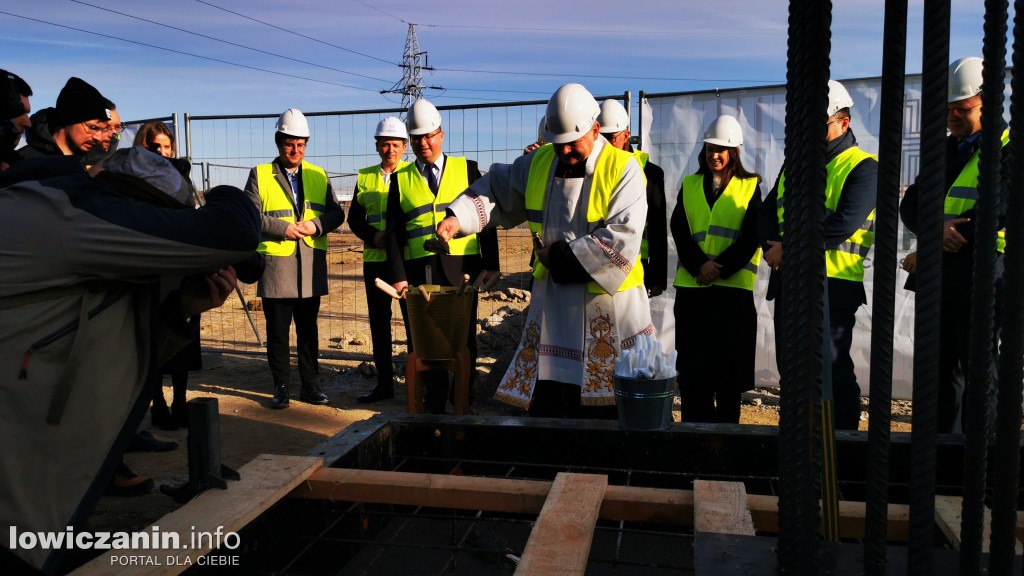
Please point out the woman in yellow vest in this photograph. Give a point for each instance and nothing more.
(715, 229)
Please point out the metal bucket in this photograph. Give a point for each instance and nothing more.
(439, 328)
(644, 405)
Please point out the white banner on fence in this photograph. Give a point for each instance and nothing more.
(673, 138)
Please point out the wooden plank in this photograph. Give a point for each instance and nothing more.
(721, 508)
(417, 489)
(948, 516)
(560, 540)
(627, 503)
(658, 505)
(631, 504)
(765, 512)
(265, 480)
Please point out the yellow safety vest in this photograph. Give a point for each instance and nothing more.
(423, 211)
(277, 203)
(717, 228)
(963, 194)
(607, 173)
(642, 158)
(372, 195)
(845, 261)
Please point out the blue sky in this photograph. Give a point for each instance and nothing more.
(341, 53)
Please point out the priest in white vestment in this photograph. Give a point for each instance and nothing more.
(587, 202)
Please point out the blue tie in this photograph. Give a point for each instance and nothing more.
(432, 177)
(295, 186)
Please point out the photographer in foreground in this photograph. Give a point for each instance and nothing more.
(96, 290)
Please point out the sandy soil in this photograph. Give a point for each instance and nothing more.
(241, 383)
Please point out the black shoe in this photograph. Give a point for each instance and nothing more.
(280, 399)
(127, 483)
(318, 398)
(145, 442)
(378, 393)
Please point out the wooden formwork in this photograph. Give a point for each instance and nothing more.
(566, 509)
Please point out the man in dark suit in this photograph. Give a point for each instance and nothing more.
(850, 194)
(419, 195)
(963, 119)
(299, 210)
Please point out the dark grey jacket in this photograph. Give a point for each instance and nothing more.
(304, 273)
(79, 330)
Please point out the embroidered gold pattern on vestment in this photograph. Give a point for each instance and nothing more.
(600, 353)
(525, 362)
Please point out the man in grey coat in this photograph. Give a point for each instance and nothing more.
(299, 210)
(88, 313)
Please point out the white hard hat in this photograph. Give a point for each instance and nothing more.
(571, 112)
(293, 123)
(613, 117)
(724, 131)
(964, 78)
(422, 118)
(540, 129)
(838, 98)
(391, 127)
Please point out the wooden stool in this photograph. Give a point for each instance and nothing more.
(459, 365)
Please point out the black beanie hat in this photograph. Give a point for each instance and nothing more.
(79, 102)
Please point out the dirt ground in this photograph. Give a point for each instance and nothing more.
(241, 384)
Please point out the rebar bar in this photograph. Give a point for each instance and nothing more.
(890, 141)
(1006, 468)
(803, 276)
(927, 321)
(978, 372)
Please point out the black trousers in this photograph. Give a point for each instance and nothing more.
(279, 313)
(954, 355)
(378, 308)
(436, 383)
(845, 390)
(716, 337)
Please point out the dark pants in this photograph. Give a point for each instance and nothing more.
(279, 313)
(845, 390)
(378, 308)
(954, 352)
(560, 400)
(436, 383)
(716, 336)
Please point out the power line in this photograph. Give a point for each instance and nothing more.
(381, 11)
(499, 91)
(442, 95)
(186, 53)
(289, 58)
(607, 77)
(295, 33)
(701, 32)
(781, 31)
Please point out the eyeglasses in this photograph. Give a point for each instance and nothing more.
(104, 130)
(961, 112)
(424, 137)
